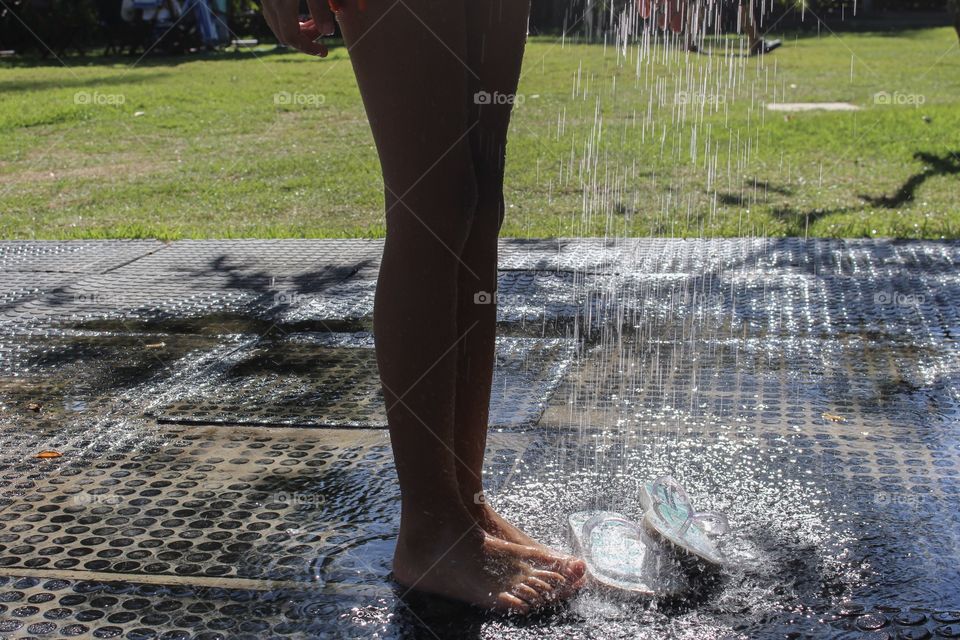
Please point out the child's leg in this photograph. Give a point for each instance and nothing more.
(496, 34)
(409, 59)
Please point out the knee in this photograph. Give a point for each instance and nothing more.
(490, 205)
(489, 156)
(435, 207)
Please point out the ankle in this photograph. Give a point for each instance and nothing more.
(422, 548)
(430, 523)
(473, 499)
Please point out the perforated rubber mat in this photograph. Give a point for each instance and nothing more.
(331, 380)
(187, 279)
(258, 257)
(48, 378)
(168, 467)
(204, 502)
(72, 256)
(521, 296)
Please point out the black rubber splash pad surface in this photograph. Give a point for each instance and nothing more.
(809, 389)
(330, 380)
(299, 520)
(72, 256)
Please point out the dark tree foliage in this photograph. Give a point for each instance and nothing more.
(60, 27)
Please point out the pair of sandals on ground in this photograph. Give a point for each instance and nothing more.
(650, 558)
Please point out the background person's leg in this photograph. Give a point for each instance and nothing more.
(750, 26)
(409, 58)
(955, 10)
(694, 30)
(758, 44)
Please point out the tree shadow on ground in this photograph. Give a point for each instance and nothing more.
(753, 192)
(799, 221)
(943, 165)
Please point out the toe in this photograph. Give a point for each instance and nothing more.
(552, 578)
(542, 587)
(510, 603)
(546, 593)
(528, 594)
(547, 558)
(562, 586)
(574, 569)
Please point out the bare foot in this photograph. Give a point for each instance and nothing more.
(475, 567)
(499, 527)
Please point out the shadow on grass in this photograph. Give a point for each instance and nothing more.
(799, 221)
(157, 59)
(744, 198)
(38, 84)
(946, 164)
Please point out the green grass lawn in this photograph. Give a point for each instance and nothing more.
(198, 146)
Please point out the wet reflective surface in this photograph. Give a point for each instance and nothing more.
(224, 472)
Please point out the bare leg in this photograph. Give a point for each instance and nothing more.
(495, 40)
(955, 8)
(758, 44)
(693, 26)
(409, 61)
(748, 18)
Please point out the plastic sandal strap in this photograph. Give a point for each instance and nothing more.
(712, 522)
(665, 490)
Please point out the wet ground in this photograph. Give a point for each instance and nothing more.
(192, 439)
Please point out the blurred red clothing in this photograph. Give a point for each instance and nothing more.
(667, 13)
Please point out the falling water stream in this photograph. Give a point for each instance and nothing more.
(771, 377)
